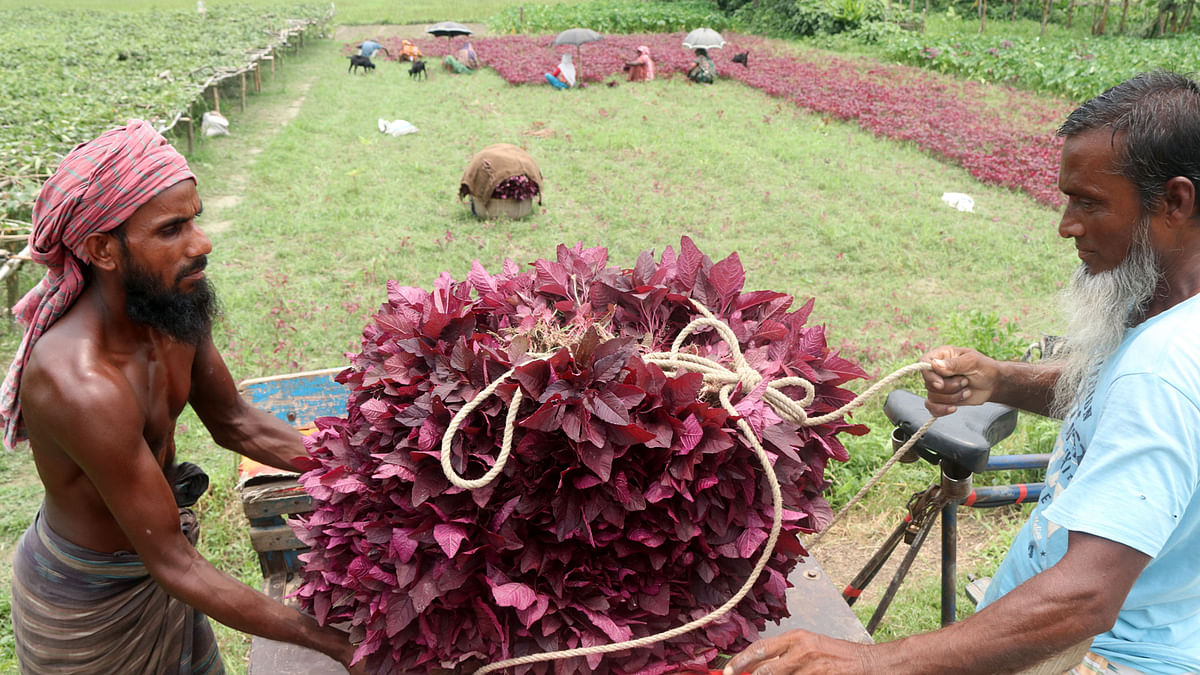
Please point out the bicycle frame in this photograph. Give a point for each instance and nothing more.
(943, 498)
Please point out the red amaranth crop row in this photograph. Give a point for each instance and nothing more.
(1013, 146)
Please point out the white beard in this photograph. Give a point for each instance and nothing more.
(1100, 308)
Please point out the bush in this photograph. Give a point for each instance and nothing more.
(619, 16)
(809, 17)
(1077, 69)
(876, 32)
(988, 333)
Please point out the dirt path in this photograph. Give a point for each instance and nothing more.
(217, 205)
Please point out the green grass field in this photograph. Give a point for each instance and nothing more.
(311, 211)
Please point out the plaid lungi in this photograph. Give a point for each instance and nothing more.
(77, 611)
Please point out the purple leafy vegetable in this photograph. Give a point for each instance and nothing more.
(630, 504)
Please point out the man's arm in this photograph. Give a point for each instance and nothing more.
(1066, 604)
(234, 423)
(127, 476)
(967, 377)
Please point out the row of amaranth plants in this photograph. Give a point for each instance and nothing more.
(1012, 144)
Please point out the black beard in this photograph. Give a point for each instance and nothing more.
(186, 317)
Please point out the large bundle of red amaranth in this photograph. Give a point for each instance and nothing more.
(630, 504)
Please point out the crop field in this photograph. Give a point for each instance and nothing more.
(118, 67)
(824, 171)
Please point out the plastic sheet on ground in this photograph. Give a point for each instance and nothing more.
(960, 201)
(396, 127)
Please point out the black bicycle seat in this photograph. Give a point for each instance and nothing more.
(964, 437)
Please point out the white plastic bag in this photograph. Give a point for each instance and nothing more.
(214, 124)
(396, 127)
(959, 201)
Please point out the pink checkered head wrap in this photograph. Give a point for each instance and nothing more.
(98, 185)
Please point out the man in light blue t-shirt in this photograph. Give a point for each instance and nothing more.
(1110, 555)
(369, 47)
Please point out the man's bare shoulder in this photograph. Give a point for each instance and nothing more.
(69, 373)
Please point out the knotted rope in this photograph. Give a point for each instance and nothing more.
(726, 380)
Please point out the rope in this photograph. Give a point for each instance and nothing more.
(726, 380)
(874, 479)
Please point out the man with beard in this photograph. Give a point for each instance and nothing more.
(1108, 557)
(107, 579)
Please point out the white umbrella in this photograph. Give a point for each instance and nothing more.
(703, 38)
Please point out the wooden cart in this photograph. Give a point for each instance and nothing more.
(269, 496)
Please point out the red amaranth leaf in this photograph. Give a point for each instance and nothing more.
(513, 594)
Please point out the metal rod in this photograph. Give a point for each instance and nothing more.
(1017, 462)
(898, 577)
(872, 567)
(1002, 495)
(949, 563)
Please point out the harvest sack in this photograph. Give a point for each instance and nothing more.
(492, 166)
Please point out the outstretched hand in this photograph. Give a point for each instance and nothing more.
(800, 652)
(959, 377)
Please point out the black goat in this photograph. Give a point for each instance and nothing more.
(360, 61)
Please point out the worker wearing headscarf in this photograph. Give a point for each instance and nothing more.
(409, 51)
(641, 69)
(98, 185)
(467, 56)
(563, 76)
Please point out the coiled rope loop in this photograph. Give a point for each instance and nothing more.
(726, 381)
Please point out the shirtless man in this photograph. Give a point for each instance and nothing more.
(105, 580)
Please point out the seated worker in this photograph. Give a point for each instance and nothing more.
(119, 341)
(369, 48)
(409, 51)
(466, 55)
(641, 69)
(703, 69)
(455, 66)
(1107, 561)
(563, 76)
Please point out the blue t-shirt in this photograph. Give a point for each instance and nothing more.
(1126, 467)
(369, 47)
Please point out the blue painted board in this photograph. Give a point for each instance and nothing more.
(298, 398)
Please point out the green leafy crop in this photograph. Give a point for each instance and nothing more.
(67, 75)
(611, 16)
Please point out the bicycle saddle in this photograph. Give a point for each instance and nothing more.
(964, 437)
